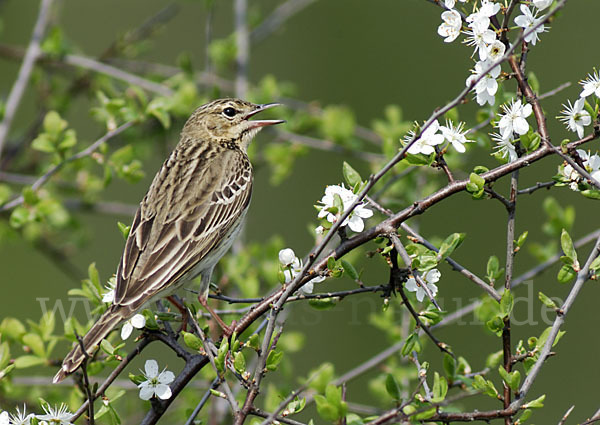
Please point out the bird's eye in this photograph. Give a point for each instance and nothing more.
(230, 112)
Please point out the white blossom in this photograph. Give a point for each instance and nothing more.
(428, 139)
(156, 384)
(20, 418)
(4, 420)
(292, 266)
(514, 119)
(56, 416)
(480, 21)
(455, 135)
(591, 163)
(591, 85)
(450, 28)
(496, 50)
(504, 147)
(542, 4)
(480, 40)
(575, 117)
(527, 21)
(109, 295)
(355, 220)
(138, 321)
(287, 256)
(487, 86)
(429, 278)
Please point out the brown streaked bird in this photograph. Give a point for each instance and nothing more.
(192, 213)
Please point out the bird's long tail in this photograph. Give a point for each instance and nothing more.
(97, 333)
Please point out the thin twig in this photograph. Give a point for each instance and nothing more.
(31, 55)
(215, 383)
(242, 41)
(278, 17)
(563, 420)
(538, 185)
(86, 382)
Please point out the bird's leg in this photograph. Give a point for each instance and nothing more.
(183, 310)
(228, 330)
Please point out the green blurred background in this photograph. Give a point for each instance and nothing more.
(365, 55)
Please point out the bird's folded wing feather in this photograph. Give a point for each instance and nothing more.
(189, 207)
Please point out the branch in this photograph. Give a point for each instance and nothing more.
(582, 277)
(242, 47)
(31, 55)
(276, 19)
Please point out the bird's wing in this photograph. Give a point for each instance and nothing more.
(189, 207)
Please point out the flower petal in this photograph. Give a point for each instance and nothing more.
(151, 368)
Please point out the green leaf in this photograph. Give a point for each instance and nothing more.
(351, 176)
(28, 361)
(477, 180)
(350, 270)
(512, 379)
(35, 342)
(296, 405)
(273, 359)
(325, 409)
(494, 359)
(324, 303)
(221, 356)
(4, 355)
(566, 244)
(484, 385)
(506, 303)
(547, 301)
(493, 269)
(53, 123)
(566, 274)
(254, 342)
(239, 362)
(12, 329)
(496, 325)
(158, 108)
(191, 340)
(541, 341)
(591, 193)
(521, 239)
(337, 124)
(124, 229)
(107, 347)
(412, 343)
(595, 265)
(449, 366)
(450, 244)
(535, 404)
(392, 387)
(440, 388)
(43, 143)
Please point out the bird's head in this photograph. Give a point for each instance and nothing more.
(227, 120)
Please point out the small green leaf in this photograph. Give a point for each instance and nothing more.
(124, 229)
(221, 356)
(535, 404)
(392, 387)
(351, 176)
(325, 409)
(107, 347)
(506, 303)
(546, 300)
(35, 342)
(566, 274)
(450, 244)
(449, 366)
(192, 340)
(53, 123)
(239, 362)
(566, 244)
(323, 303)
(254, 342)
(484, 385)
(521, 239)
(273, 359)
(440, 388)
(28, 361)
(350, 270)
(477, 180)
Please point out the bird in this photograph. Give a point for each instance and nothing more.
(193, 211)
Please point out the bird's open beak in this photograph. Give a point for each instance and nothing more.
(262, 123)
